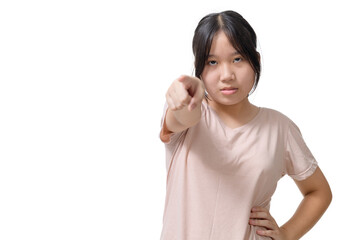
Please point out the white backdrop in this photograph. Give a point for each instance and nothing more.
(82, 89)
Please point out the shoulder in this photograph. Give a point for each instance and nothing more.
(275, 115)
(275, 118)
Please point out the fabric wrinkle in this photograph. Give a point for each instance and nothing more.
(216, 174)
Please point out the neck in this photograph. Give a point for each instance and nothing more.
(235, 115)
(234, 111)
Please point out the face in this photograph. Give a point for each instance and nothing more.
(227, 76)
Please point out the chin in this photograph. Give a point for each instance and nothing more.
(230, 102)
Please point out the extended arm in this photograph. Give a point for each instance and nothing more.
(184, 98)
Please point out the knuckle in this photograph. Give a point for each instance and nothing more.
(274, 233)
(185, 100)
(178, 107)
(171, 105)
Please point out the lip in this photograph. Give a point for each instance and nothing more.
(229, 90)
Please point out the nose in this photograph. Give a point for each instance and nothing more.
(226, 73)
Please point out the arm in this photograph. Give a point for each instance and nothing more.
(184, 98)
(317, 197)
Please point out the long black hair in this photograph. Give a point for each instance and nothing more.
(240, 34)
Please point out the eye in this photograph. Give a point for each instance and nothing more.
(238, 59)
(212, 62)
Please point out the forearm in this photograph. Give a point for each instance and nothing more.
(180, 120)
(184, 98)
(308, 213)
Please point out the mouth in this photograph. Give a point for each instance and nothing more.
(229, 90)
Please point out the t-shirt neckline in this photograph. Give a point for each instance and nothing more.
(254, 119)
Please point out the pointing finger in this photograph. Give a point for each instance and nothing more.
(197, 98)
(186, 81)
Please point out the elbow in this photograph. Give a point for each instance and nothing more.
(329, 196)
(326, 192)
(323, 195)
(326, 196)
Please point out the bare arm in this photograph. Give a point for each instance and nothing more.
(184, 98)
(317, 197)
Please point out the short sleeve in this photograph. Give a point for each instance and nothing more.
(299, 161)
(165, 135)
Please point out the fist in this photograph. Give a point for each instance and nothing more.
(185, 91)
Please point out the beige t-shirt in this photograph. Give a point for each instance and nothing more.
(216, 174)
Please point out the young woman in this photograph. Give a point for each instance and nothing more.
(225, 155)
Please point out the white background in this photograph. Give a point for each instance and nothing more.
(82, 89)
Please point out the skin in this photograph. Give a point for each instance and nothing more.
(225, 68)
(317, 197)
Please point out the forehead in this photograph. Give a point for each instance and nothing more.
(221, 45)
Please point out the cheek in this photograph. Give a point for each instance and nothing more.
(210, 79)
(210, 84)
(248, 77)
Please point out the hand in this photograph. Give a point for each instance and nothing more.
(185, 91)
(261, 217)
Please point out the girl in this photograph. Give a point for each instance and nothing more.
(225, 155)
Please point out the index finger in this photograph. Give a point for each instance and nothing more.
(187, 81)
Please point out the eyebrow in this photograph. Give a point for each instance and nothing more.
(232, 54)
